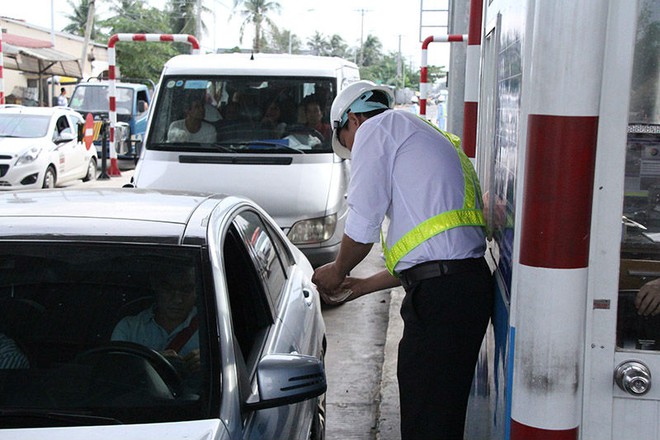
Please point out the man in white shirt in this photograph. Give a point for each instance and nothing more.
(406, 169)
(193, 128)
(62, 100)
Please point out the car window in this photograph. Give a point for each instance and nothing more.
(250, 309)
(23, 126)
(62, 126)
(82, 332)
(246, 114)
(264, 253)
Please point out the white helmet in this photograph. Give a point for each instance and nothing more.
(354, 99)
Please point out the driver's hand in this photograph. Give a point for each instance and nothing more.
(192, 361)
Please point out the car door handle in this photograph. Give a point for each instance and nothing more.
(307, 296)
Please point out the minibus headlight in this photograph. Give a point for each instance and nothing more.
(314, 230)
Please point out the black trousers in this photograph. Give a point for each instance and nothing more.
(445, 319)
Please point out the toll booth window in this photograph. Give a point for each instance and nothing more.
(638, 321)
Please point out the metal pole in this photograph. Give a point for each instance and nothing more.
(104, 151)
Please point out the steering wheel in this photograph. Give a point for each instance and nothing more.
(163, 367)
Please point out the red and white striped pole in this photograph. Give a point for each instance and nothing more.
(472, 57)
(424, 70)
(154, 38)
(2, 73)
(549, 301)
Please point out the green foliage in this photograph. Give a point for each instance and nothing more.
(140, 59)
(78, 19)
(256, 13)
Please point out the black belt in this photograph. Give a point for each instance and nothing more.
(439, 268)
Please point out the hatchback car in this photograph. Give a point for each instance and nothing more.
(41, 147)
(202, 323)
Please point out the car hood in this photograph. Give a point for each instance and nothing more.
(196, 430)
(15, 146)
(287, 192)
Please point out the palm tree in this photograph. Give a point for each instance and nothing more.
(256, 12)
(371, 51)
(78, 19)
(185, 14)
(318, 44)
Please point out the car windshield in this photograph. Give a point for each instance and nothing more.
(23, 126)
(232, 114)
(102, 334)
(91, 98)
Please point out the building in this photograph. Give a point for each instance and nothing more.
(37, 62)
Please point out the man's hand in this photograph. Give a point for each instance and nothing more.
(189, 363)
(328, 278)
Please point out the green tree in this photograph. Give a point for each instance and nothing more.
(371, 51)
(279, 41)
(255, 13)
(319, 45)
(184, 14)
(140, 59)
(78, 19)
(338, 47)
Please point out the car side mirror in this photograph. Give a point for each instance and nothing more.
(65, 136)
(142, 106)
(287, 378)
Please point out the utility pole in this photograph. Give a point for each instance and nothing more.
(198, 20)
(362, 37)
(88, 33)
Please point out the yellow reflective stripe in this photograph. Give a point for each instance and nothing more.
(470, 215)
(97, 129)
(429, 228)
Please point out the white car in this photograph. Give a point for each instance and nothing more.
(41, 147)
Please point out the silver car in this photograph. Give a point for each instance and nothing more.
(133, 314)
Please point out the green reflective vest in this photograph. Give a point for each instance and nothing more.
(470, 215)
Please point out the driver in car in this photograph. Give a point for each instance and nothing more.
(170, 326)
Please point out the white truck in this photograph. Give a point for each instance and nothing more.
(264, 134)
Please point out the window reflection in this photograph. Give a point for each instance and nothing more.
(638, 323)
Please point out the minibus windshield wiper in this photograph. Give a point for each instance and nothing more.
(258, 143)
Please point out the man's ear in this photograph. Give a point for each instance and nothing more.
(354, 119)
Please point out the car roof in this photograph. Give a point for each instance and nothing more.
(117, 84)
(109, 214)
(45, 111)
(251, 64)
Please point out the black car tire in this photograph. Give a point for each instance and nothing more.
(91, 171)
(50, 178)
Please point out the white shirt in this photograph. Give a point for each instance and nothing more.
(179, 133)
(404, 169)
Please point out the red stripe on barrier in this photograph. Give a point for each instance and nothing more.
(113, 104)
(167, 37)
(454, 38)
(524, 432)
(113, 40)
(557, 198)
(139, 37)
(111, 71)
(470, 110)
(474, 29)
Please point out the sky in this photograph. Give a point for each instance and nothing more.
(396, 23)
